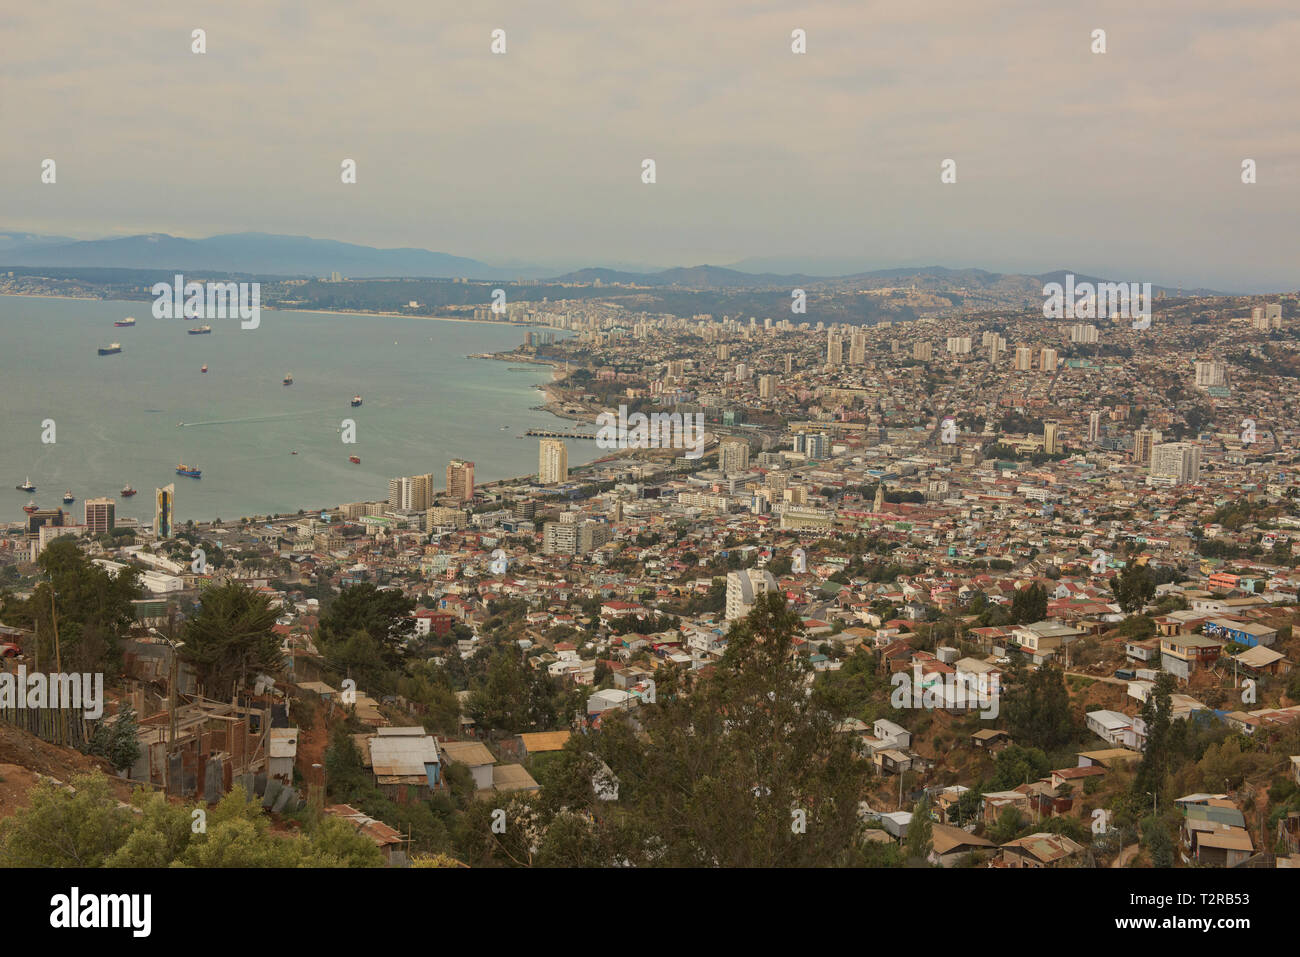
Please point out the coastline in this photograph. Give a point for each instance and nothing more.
(331, 312)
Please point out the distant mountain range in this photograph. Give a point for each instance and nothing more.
(254, 253)
(267, 254)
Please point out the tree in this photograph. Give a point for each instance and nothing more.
(1038, 710)
(1133, 588)
(1156, 712)
(62, 829)
(738, 768)
(117, 741)
(231, 639)
(93, 608)
(382, 613)
(920, 832)
(1029, 605)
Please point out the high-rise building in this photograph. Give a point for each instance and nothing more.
(834, 350)
(766, 386)
(743, 589)
(1094, 426)
(1180, 461)
(164, 509)
(552, 462)
(922, 351)
(100, 516)
(1143, 441)
(1048, 359)
(1084, 333)
(733, 455)
(958, 345)
(460, 480)
(789, 364)
(1024, 358)
(1051, 443)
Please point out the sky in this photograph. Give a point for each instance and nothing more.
(1125, 164)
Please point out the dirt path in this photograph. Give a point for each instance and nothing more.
(1126, 855)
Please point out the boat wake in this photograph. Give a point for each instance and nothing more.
(251, 419)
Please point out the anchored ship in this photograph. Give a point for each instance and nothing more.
(199, 330)
(26, 485)
(188, 471)
(127, 322)
(110, 350)
(356, 401)
(68, 497)
(127, 491)
(288, 379)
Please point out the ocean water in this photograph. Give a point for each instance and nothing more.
(116, 418)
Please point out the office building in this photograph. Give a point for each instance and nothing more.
(100, 516)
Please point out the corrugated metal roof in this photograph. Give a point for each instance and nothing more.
(402, 755)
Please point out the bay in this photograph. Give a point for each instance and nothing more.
(116, 417)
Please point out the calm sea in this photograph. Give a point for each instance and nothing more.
(116, 418)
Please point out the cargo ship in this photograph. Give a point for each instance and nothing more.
(199, 330)
(68, 497)
(127, 491)
(31, 507)
(356, 401)
(188, 471)
(128, 322)
(26, 485)
(110, 350)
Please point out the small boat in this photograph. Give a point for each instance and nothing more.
(356, 401)
(199, 330)
(128, 322)
(204, 369)
(110, 350)
(68, 497)
(288, 379)
(127, 491)
(31, 507)
(294, 452)
(26, 485)
(188, 471)
(354, 459)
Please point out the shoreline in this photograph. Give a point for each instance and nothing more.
(322, 312)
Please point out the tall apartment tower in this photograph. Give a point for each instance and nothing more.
(1144, 440)
(100, 516)
(1094, 426)
(733, 456)
(834, 350)
(1180, 461)
(743, 589)
(766, 386)
(460, 480)
(552, 462)
(1051, 442)
(1048, 359)
(1024, 358)
(922, 351)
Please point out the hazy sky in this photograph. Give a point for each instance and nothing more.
(1126, 164)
